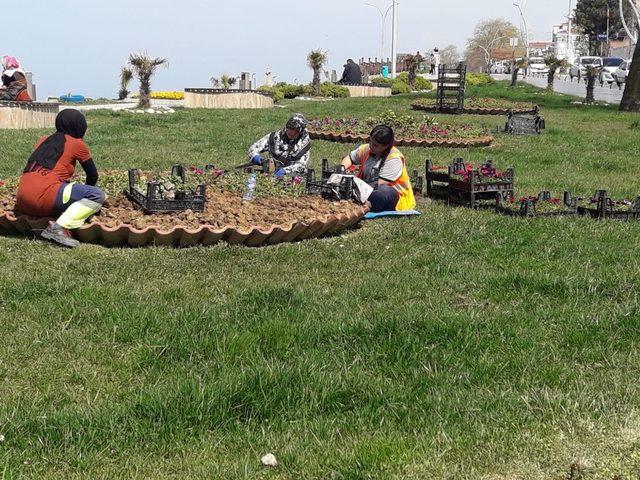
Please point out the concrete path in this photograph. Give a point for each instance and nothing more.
(121, 106)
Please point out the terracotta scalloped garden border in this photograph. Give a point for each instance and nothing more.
(404, 142)
(474, 111)
(126, 235)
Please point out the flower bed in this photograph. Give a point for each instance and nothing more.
(479, 106)
(281, 212)
(167, 95)
(409, 131)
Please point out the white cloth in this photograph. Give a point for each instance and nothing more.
(361, 189)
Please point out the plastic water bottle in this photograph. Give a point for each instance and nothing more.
(250, 188)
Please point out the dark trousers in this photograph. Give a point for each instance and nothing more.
(384, 199)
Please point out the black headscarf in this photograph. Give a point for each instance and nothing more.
(68, 122)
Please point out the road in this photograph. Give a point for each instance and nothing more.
(564, 85)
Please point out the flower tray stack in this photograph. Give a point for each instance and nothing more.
(451, 88)
(602, 206)
(542, 205)
(462, 183)
(158, 196)
(344, 191)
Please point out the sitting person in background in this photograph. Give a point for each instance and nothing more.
(383, 167)
(289, 148)
(352, 73)
(45, 189)
(14, 81)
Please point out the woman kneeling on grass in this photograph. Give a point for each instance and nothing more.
(45, 190)
(383, 167)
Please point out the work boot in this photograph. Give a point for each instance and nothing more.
(59, 235)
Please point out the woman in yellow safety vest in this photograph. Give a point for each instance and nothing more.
(383, 167)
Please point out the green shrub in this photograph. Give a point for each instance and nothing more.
(422, 83)
(382, 81)
(328, 89)
(479, 79)
(403, 78)
(399, 87)
(276, 92)
(292, 91)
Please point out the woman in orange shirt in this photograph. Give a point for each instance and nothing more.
(45, 190)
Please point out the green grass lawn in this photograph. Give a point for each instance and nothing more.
(458, 345)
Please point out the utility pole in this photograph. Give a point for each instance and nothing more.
(394, 40)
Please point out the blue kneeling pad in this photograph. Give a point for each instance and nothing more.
(393, 213)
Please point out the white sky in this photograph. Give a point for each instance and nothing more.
(79, 45)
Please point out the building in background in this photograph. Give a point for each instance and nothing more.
(541, 49)
(569, 48)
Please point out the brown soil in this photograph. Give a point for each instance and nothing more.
(223, 209)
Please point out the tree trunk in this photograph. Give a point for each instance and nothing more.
(316, 81)
(514, 75)
(591, 83)
(550, 77)
(412, 77)
(631, 96)
(145, 92)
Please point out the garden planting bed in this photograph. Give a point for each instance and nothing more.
(22, 115)
(478, 106)
(279, 213)
(409, 131)
(226, 98)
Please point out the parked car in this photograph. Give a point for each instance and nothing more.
(579, 68)
(537, 65)
(609, 65)
(620, 75)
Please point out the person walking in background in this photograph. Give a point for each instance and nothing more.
(436, 61)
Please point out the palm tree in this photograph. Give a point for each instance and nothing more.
(554, 63)
(144, 67)
(631, 96)
(316, 60)
(125, 77)
(592, 74)
(413, 63)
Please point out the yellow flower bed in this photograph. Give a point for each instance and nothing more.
(167, 95)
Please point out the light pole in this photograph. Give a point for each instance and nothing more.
(384, 24)
(569, 39)
(394, 41)
(526, 30)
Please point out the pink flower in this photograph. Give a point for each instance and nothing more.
(297, 180)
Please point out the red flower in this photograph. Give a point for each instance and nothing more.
(1, 183)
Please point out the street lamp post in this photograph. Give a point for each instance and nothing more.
(526, 30)
(394, 41)
(569, 38)
(384, 24)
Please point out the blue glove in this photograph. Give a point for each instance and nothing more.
(256, 159)
(280, 173)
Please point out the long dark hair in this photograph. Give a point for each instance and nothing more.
(383, 134)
